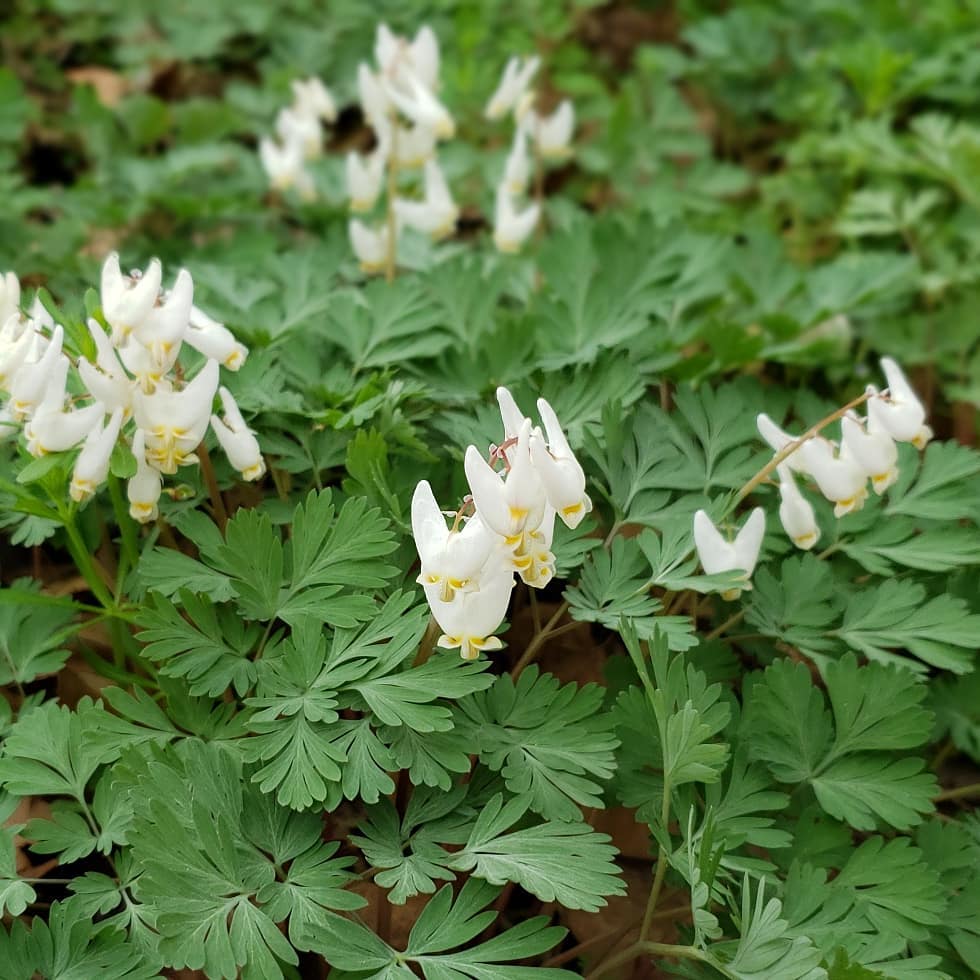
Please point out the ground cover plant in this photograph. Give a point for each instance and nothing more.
(489, 492)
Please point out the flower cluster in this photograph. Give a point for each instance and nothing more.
(299, 137)
(841, 471)
(543, 138)
(468, 567)
(398, 99)
(63, 402)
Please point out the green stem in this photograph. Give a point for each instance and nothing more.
(646, 948)
(535, 645)
(127, 528)
(83, 559)
(658, 878)
(959, 793)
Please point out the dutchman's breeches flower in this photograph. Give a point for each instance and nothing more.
(30, 383)
(839, 476)
(560, 472)
(175, 421)
(370, 245)
(436, 214)
(237, 439)
(92, 465)
(51, 429)
(720, 555)
(517, 76)
(365, 177)
(511, 227)
(452, 558)
(145, 485)
(469, 619)
(900, 413)
(796, 512)
(127, 300)
(9, 297)
(162, 330)
(873, 449)
(214, 340)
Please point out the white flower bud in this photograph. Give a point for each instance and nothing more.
(237, 439)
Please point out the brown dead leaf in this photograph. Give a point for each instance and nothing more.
(109, 85)
(630, 837)
(402, 916)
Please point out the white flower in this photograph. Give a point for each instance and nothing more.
(127, 300)
(425, 56)
(451, 558)
(796, 512)
(469, 620)
(365, 176)
(237, 439)
(900, 414)
(92, 465)
(300, 129)
(517, 169)
(284, 167)
(51, 429)
(29, 384)
(533, 558)
(9, 297)
(214, 340)
(372, 96)
(175, 421)
(39, 315)
(162, 329)
(370, 245)
(313, 98)
(414, 145)
(560, 471)
(511, 508)
(511, 227)
(553, 134)
(17, 343)
(840, 477)
(514, 82)
(106, 380)
(778, 439)
(719, 555)
(436, 214)
(394, 54)
(873, 449)
(145, 485)
(415, 100)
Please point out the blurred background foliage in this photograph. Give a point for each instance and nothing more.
(809, 160)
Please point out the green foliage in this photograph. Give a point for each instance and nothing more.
(874, 708)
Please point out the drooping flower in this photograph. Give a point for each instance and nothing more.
(9, 297)
(560, 472)
(300, 129)
(215, 340)
(452, 558)
(436, 213)
(174, 422)
(517, 76)
(418, 104)
(900, 413)
(839, 476)
(284, 167)
(92, 465)
(237, 439)
(873, 449)
(370, 245)
(517, 168)
(796, 512)
(365, 177)
(106, 380)
(51, 429)
(312, 98)
(469, 620)
(553, 134)
(512, 227)
(718, 554)
(162, 330)
(127, 300)
(145, 485)
(30, 382)
(510, 507)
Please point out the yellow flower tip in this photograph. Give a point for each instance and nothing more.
(359, 205)
(372, 268)
(517, 514)
(731, 594)
(282, 183)
(506, 245)
(446, 129)
(254, 472)
(572, 509)
(806, 541)
(143, 512)
(234, 360)
(80, 490)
